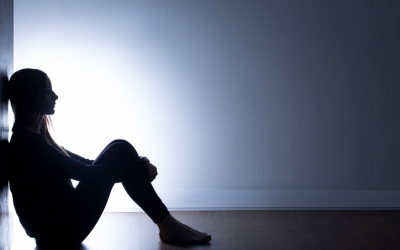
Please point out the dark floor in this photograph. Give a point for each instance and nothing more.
(247, 230)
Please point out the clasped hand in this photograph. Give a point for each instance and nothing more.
(152, 169)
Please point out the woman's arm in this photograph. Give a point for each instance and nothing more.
(33, 152)
(80, 171)
(78, 157)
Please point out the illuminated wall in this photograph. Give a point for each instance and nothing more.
(226, 96)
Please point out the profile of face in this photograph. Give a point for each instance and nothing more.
(49, 99)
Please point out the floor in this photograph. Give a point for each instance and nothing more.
(246, 230)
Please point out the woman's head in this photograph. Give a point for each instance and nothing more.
(31, 96)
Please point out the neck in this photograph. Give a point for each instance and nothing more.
(36, 125)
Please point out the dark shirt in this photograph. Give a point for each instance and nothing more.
(40, 178)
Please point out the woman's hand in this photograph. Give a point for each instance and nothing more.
(152, 169)
(144, 158)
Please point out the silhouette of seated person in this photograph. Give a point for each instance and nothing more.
(49, 208)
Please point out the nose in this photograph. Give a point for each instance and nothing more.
(55, 96)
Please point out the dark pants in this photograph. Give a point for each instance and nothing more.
(91, 198)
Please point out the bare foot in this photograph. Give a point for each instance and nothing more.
(172, 231)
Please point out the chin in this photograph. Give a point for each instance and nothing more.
(50, 112)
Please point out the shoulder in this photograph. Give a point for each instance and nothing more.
(22, 138)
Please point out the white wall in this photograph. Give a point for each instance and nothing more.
(227, 96)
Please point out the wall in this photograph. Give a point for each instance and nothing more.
(272, 100)
(6, 69)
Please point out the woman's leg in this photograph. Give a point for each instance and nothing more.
(141, 191)
(91, 197)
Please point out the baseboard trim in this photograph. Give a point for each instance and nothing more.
(210, 200)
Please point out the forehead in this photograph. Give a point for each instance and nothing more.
(48, 82)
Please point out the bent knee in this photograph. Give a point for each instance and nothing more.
(120, 141)
(122, 146)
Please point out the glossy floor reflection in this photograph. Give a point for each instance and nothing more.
(246, 230)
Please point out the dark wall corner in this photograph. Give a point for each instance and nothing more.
(6, 69)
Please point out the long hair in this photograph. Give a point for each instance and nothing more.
(26, 91)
